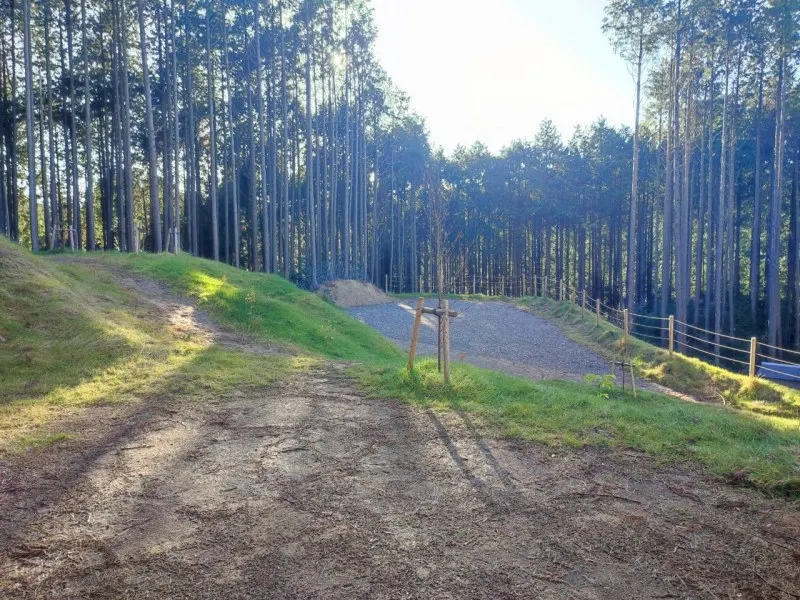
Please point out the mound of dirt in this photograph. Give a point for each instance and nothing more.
(348, 293)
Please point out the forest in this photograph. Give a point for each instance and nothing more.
(266, 135)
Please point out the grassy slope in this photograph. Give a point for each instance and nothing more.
(70, 338)
(683, 374)
(761, 448)
(266, 306)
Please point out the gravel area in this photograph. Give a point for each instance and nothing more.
(494, 335)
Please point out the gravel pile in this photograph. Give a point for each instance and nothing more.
(349, 292)
(494, 335)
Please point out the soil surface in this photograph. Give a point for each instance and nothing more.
(308, 490)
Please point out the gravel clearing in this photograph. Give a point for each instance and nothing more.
(494, 335)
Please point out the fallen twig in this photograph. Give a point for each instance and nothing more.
(134, 447)
(775, 586)
(608, 496)
(547, 578)
(135, 524)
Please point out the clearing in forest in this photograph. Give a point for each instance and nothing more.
(257, 469)
(493, 335)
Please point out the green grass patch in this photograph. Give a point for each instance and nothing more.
(70, 338)
(681, 373)
(761, 449)
(266, 306)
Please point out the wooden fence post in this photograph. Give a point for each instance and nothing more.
(583, 304)
(524, 286)
(625, 327)
(415, 333)
(671, 335)
(544, 287)
(446, 341)
(534, 285)
(386, 284)
(753, 349)
(563, 291)
(597, 311)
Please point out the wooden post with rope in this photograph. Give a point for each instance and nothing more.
(671, 335)
(446, 341)
(597, 311)
(753, 349)
(415, 333)
(625, 327)
(583, 304)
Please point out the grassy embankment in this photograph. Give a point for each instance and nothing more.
(110, 349)
(684, 374)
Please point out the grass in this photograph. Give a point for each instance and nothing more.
(268, 307)
(681, 373)
(73, 338)
(759, 449)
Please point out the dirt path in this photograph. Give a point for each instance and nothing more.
(308, 490)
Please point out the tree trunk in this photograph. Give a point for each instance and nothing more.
(312, 237)
(721, 216)
(34, 218)
(773, 265)
(632, 225)
(213, 135)
(755, 242)
(90, 232)
(155, 203)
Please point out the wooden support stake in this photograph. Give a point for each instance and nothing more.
(446, 341)
(534, 285)
(625, 327)
(415, 333)
(753, 350)
(597, 311)
(524, 286)
(583, 304)
(386, 284)
(544, 288)
(671, 335)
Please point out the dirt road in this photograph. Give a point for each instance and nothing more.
(308, 490)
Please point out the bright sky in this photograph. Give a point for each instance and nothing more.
(492, 70)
